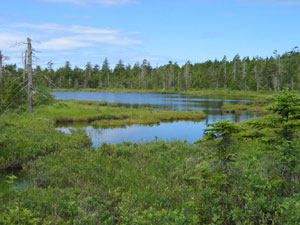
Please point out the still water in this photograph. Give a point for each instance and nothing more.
(155, 100)
(179, 130)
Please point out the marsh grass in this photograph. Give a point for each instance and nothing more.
(110, 114)
(26, 136)
(258, 106)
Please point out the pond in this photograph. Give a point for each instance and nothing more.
(177, 130)
(209, 104)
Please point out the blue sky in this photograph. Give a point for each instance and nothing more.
(82, 31)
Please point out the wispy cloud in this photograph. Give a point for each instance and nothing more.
(86, 2)
(9, 38)
(54, 28)
(61, 37)
(55, 39)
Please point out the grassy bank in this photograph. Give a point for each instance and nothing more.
(257, 106)
(25, 137)
(110, 114)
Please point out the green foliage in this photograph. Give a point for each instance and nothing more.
(20, 144)
(237, 174)
(157, 183)
(223, 129)
(256, 74)
(42, 96)
(287, 106)
(11, 93)
(16, 213)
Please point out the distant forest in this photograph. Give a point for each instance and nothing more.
(257, 74)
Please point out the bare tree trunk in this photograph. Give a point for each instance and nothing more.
(257, 78)
(164, 79)
(186, 75)
(171, 77)
(178, 81)
(234, 70)
(244, 75)
(142, 78)
(90, 73)
(217, 78)
(29, 70)
(225, 75)
(1, 68)
(24, 70)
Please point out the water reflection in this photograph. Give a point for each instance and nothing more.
(182, 130)
(155, 100)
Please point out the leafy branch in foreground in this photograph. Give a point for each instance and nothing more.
(223, 131)
(287, 106)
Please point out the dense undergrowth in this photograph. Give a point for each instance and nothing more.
(20, 144)
(158, 183)
(247, 173)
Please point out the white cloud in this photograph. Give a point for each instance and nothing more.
(52, 40)
(63, 44)
(85, 2)
(54, 28)
(8, 39)
(61, 37)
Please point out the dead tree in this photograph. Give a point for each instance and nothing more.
(29, 72)
(24, 70)
(186, 74)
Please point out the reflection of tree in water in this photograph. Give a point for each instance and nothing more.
(95, 133)
(211, 105)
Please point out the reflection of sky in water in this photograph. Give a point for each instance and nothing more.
(182, 130)
(179, 130)
(157, 101)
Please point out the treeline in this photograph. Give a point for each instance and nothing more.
(256, 74)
